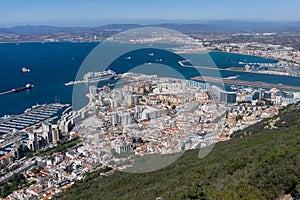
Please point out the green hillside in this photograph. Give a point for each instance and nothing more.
(257, 163)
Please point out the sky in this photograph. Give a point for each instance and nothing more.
(99, 12)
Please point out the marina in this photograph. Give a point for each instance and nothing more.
(31, 117)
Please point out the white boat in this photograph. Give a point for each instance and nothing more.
(25, 70)
(232, 77)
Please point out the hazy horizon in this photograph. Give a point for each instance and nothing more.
(95, 12)
(147, 22)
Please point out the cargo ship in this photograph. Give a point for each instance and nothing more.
(26, 87)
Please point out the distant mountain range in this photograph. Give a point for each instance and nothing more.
(225, 26)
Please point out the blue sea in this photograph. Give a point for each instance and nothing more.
(53, 64)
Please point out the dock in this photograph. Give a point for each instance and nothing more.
(259, 84)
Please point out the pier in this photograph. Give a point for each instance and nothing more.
(259, 84)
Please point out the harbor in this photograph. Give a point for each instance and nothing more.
(51, 87)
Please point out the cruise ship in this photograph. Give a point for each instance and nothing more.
(91, 77)
(99, 76)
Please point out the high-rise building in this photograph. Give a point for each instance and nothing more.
(125, 147)
(137, 111)
(18, 150)
(150, 113)
(267, 95)
(228, 97)
(47, 134)
(55, 134)
(32, 142)
(287, 94)
(215, 92)
(129, 99)
(126, 118)
(256, 95)
(122, 118)
(115, 119)
(136, 99)
(278, 99)
(248, 98)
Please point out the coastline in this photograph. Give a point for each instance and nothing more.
(43, 42)
(66, 66)
(90, 98)
(236, 69)
(275, 59)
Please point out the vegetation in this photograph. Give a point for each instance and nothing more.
(36, 170)
(62, 147)
(257, 163)
(16, 182)
(105, 169)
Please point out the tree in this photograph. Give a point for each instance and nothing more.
(139, 140)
